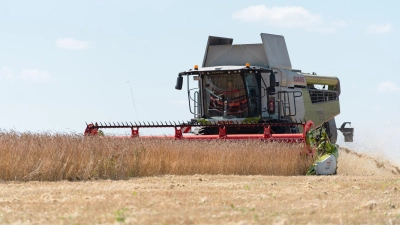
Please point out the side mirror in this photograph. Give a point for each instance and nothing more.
(179, 82)
(272, 80)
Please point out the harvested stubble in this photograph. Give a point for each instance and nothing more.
(53, 157)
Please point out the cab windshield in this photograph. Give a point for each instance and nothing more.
(230, 96)
(225, 96)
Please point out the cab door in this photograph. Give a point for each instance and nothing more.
(265, 100)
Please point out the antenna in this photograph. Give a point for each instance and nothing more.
(133, 100)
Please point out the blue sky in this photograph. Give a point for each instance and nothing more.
(66, 63)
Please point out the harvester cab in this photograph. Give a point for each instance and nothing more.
(255, 83)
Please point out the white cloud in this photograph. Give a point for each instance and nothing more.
(6, 72)
(72, 44)
(35, 75)
(388, 86)
(287, 16)
(379, 28)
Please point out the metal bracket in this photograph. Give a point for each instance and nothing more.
(267, 132)
(178, 133)
(222, 132)
(135, 132)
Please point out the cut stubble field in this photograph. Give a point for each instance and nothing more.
(67, 179)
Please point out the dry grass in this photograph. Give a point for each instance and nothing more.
(205, 199)
(46, 157)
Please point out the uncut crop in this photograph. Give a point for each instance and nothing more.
(53, 157)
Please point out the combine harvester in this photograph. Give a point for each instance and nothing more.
(250, 91)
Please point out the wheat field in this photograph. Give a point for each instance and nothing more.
(160, 181)
(55, 157)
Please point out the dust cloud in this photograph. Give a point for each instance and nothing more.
(354, 163)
